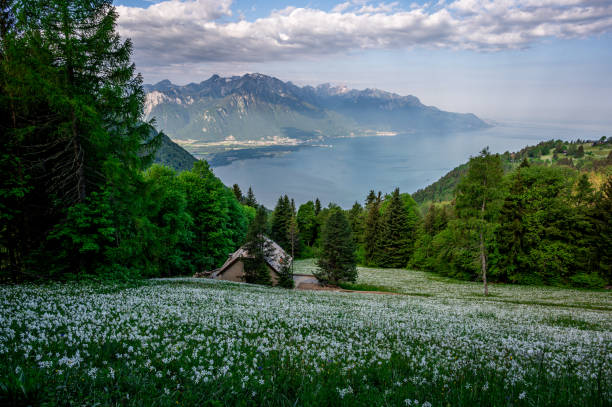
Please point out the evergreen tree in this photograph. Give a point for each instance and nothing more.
(285, 275)
(370, 198)
(395, 243)
(281, 219)
(71, 108)
(429, 222)
(355, 218)
(337, 262)
(511, 234)
(372, 229)
(256, 267)
(307, 223)
(478, 197)
(238, 193)
(317, 207)
(250, 199)
(584, 191)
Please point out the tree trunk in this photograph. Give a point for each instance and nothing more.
(483, 257)
(483, 264)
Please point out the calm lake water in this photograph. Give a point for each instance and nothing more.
(347, 169)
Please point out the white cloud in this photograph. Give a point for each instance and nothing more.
(193, 31)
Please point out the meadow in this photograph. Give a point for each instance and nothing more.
(187, 341)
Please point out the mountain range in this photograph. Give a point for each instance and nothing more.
(256, 110)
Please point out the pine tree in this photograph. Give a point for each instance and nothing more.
(73, 104)
(317, 207)
(238, 193)
(511, 233)
(337, 262)
(281, 219)
(394, 246)
(250, 199)
(372, 229)
(256, 267)
(355, 218)
(584, 191)
(478, 195)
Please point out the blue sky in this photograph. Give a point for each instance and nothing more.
(530, 60)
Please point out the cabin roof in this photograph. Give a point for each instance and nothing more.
(275, 257)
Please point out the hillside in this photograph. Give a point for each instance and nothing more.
(256, 110)
(172, 155)
(595, 158)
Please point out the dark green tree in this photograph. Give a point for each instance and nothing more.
(355, 218)
(479, 196)
(250, 199)
(256, 269)
(281, 220)
(317, 207)
(71, 109)
(238, 193)
(395, 238)
(219, 223)
(602, 238)
(307, 223)
(337, 262)
(372, 228)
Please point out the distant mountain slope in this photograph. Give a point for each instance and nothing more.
(172, 155)
(257, 107)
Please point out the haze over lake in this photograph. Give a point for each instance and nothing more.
(348, 168)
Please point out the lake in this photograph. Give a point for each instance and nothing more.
(344, 171)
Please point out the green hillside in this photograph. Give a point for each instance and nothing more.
(174, 156)
(588, 156)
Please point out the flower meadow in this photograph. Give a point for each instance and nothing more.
(204, 342)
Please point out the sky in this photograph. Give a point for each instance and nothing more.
(505, 60)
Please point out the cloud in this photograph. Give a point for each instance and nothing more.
(195, 31)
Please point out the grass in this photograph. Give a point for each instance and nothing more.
(211, 343)
(365, 287)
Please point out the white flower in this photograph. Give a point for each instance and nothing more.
(522, 395)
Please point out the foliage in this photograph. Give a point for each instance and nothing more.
(219, 221)
(395, 241)
(281, 221)
(285, 275)
(594, 156)
(478, 199)
(250, 200)
(372, 227)
(337, 261)
(256, 268)
(71, 107)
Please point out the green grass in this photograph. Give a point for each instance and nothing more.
(365, 287)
